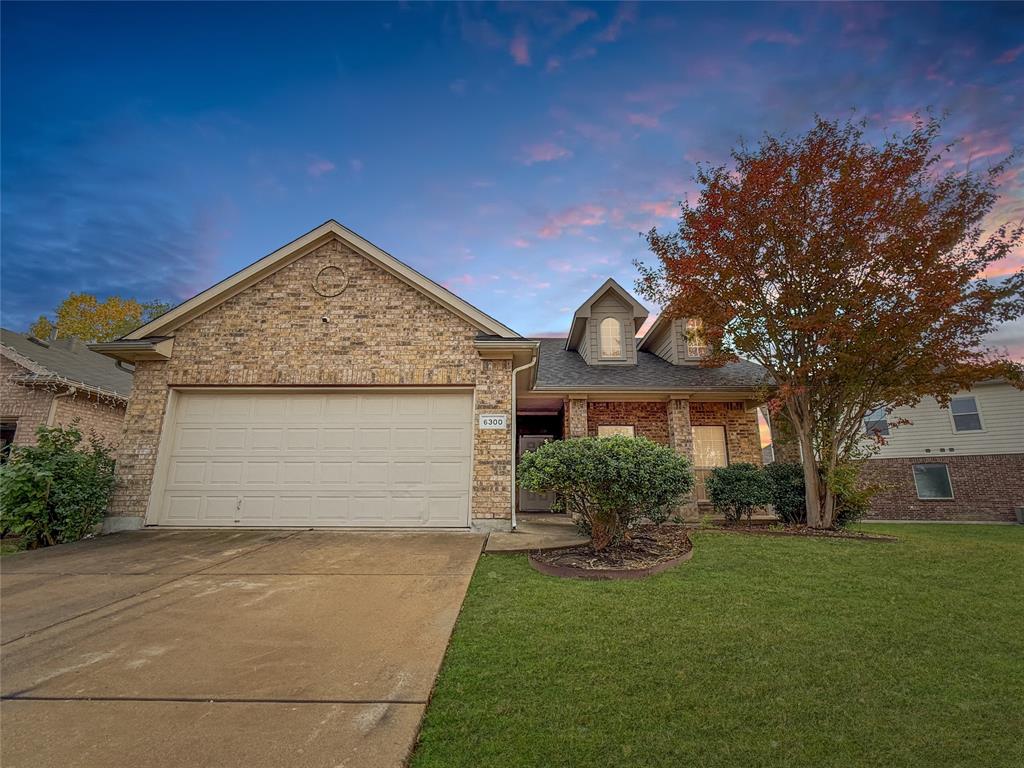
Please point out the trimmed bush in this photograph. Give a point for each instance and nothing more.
(786, 489)
(737, 490)
(57, 490)
(608, 484)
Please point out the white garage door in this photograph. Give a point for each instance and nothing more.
(319, 459)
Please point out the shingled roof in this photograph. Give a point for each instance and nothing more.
(66, 361)
(559, 368)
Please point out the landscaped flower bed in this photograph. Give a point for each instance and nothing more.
(648, 549)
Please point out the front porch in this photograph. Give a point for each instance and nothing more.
(709, 432)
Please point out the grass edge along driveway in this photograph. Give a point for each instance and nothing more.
(760, 651)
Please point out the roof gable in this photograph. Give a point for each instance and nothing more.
(271, 263)
(609, 288)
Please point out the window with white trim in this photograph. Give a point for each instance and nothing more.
(932, 481)
(610, 430)
(709, 451)
(611, 338)
(966, 416)
(875, 422)
(695, 344)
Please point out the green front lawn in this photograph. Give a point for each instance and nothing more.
(759, 652)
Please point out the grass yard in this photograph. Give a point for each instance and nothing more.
(759, 652)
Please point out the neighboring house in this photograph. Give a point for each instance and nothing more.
(964, 462)
(54, 383)
(329, 384)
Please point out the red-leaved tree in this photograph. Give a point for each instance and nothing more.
(851, 271)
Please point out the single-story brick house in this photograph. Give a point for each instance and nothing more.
(55, 382)
(329, 384)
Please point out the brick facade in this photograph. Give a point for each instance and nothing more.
(379, 331)
(649, 420)
(984, 488)
(30, 407)
(742, 437)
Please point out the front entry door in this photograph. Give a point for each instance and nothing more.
(528, 500)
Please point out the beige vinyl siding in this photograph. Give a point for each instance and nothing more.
(584, 347)
(663, 346)
(1002, 418)
(607, 306)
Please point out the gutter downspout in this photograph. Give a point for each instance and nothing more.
(515, 374)
(52, 415)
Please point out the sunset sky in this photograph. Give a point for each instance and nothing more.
(511, 152)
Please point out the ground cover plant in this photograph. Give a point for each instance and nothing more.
(760, 651)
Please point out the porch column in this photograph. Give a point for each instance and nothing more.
(576, 409)
(680, 439)
(680, 433)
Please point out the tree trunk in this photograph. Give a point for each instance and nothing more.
(812, 481)
(828, 509)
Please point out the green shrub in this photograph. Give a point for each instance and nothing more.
(608, 484)
(737, 490)
(57, 490)
(852, 499)
(786, 489)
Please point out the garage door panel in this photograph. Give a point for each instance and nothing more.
(336, 472)
(336, 459)
(338, 438)
(225, 472)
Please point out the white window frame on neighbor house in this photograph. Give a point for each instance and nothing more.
(917, 488)
(603, 339)
(879, 416)
(610, 430)
(694, 350)
(702, 470)
(977, 412)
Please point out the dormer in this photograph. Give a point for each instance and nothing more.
(675, 339)
(604, 328)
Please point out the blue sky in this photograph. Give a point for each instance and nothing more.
(512, 152)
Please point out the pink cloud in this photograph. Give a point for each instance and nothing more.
(465, 280)
(626, 14)
(573, 220)
(554, 63)
(1010, 56)
(319, 167)
(665, 209)
(356, 165)
(545, 152)
(780, 36)
(520, 242)
(644, 121)
(564, 267)
(519, 48)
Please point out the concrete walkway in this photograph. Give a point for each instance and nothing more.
(226, 648)
(536, 530)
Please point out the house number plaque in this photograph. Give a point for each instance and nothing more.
(493, 421)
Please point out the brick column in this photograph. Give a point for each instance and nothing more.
(680, 433)
(680, 439)
(577, 417)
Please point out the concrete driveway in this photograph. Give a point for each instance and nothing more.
(226, 648)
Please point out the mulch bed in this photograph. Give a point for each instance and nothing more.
(649, 550)
(802, 530)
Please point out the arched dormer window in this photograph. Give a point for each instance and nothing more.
(611, 339)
